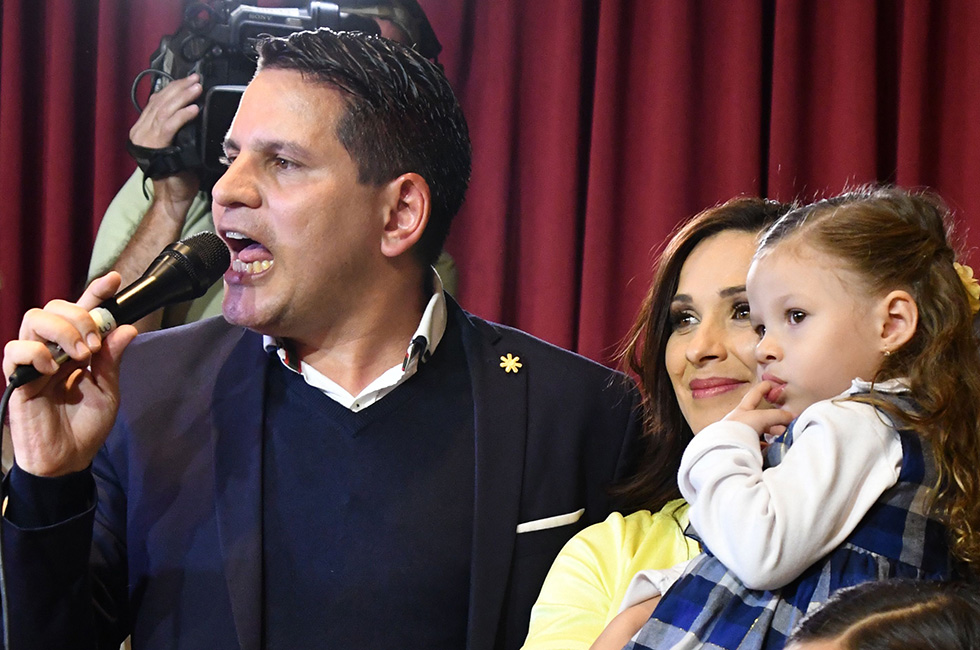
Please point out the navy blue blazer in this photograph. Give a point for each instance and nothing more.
(176, 557)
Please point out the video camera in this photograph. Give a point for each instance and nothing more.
(217, 41)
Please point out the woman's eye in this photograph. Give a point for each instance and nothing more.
(741, 311)
(682, 320)
(795, 316)
(226, 160)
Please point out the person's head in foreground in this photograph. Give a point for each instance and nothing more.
(894, 615)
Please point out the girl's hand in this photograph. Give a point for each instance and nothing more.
(751, 411)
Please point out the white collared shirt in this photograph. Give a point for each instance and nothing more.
(421, 346)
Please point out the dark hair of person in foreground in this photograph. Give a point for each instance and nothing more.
(895, 615)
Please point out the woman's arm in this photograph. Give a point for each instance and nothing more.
(586, 583)
(627, 623)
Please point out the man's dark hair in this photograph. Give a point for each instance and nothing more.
(402, 115)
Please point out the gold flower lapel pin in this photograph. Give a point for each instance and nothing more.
(510, 363)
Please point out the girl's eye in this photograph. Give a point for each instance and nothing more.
(741, 311)
(682, 320)
(795, 316)
(760, 330)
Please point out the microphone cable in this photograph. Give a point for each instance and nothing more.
(4, 609)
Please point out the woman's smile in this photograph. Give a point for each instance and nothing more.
(713, 386)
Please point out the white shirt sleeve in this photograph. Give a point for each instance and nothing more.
(649, 583)
(768, 526)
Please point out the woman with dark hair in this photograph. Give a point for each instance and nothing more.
(894, 615)
(693, 350)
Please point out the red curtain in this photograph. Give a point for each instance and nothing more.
(597, 127)
(65, 72)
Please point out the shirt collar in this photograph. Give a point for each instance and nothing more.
(896, 386)
(421, 346)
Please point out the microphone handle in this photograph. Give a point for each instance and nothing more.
(24, 374)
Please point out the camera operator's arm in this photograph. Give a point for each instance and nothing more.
(164, 219)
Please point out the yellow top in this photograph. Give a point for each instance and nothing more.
(586, 584)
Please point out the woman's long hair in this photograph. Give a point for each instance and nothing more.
(666, 432)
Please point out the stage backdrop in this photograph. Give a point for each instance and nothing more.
(597, 127)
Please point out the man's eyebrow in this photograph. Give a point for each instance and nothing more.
(269, 146)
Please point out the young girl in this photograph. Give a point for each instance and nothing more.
(858, 294)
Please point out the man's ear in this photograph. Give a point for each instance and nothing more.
(900, 319)
(407, 213)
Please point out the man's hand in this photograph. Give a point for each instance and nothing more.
(59, 421)
(163, 222)
(165, 113)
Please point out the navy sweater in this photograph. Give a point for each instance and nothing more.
(373, 507)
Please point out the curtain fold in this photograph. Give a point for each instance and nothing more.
(677, 128)
(938, 122)
(597, 127)
(833, 99)
(517, 242)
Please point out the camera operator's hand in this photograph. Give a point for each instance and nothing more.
(165, 113)
(59, 421)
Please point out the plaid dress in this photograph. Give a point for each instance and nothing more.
(708, 607)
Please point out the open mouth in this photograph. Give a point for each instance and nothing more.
(248, 256)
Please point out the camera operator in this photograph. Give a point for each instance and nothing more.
(147, 214)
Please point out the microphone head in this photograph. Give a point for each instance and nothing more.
(182, 271)
(203, 257)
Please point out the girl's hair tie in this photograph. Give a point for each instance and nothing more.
(970, 284)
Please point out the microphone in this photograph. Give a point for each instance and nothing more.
(182, 271)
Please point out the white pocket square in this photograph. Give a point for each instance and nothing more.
(551, 522)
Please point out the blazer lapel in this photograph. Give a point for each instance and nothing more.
(237, 415)
(500, 419)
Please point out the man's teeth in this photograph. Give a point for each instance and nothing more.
(251, 267)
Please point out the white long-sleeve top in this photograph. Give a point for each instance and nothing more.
(768, 526)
